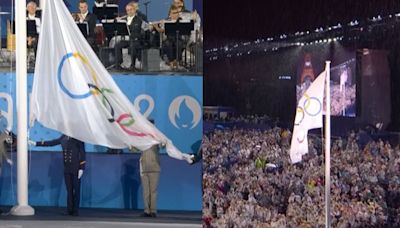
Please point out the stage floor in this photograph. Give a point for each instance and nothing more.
(46, 217)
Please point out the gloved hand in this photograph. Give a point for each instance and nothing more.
(9, 161)
(31, 143)
(80, 173)
(189, 158)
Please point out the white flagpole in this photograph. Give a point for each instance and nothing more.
(22, 208)
(327, 145)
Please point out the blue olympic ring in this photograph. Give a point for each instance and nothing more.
(306, 106)
(62, 86)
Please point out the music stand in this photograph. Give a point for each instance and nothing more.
(84, 27)
(31, 28)
(106, 12)
(115, 29)
(176, 29)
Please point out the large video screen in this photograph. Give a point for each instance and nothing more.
(342, 76)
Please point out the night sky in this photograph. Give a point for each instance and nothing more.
(247, 20)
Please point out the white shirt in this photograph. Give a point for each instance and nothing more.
(82, 19)
(129, 20)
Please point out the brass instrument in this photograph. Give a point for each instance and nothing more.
(121, 18)
(75, 16)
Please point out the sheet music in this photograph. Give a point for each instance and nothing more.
(86, 25)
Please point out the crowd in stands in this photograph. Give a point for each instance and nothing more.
(249, 181)
(255, 119)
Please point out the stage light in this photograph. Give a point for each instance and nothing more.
(329, 40)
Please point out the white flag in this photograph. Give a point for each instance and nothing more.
(73, 93)
(308, 116)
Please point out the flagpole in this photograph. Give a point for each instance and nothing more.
(327, 146)
(22, 208)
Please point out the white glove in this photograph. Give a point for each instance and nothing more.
(189, 158)
(31, 143)
(9, 161)
(80, 173)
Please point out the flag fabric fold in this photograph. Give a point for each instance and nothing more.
(308, 116)
(73, 93)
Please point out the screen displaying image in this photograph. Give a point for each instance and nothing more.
(342, 78)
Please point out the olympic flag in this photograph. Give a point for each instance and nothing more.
(308, 116)
(73, 93)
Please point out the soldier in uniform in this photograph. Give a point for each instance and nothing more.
(74, 164)
(149, 175)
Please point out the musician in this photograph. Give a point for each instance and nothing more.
(135, 27)
(32, 39)
(169, 42)
(187, 15)
(84, 16)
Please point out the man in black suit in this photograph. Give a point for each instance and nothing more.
(84, 16)
(135, 26)
(74, 164)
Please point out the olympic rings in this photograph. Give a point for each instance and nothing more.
(302, 136)
(313, 102)
(95, 90)
(130, 122)
(86, 63)
(105, 101)
(297, 120)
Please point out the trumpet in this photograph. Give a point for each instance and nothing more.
(78, 17)
(75, 16)
(122, 17)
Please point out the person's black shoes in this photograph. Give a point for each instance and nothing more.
(67, 213)
(154, 215)
(71, 213)
(147, 215)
